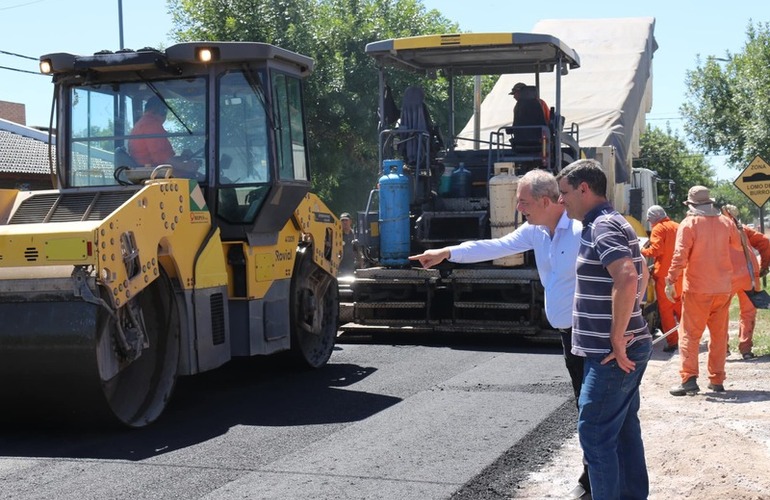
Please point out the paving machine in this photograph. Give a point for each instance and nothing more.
(438, 189)
(129, 274)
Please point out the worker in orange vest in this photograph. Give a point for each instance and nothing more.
(743, 261)
(661, 249)
(702, 255)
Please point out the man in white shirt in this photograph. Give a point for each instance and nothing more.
(555, 239)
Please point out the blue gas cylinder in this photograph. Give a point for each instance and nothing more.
(461, 182)
(394, 214)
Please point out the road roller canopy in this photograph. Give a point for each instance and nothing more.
(475, 53)
(227, 114)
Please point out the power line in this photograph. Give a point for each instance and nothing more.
(682, 155)
(22, 56)
(18, 55)
(23, 71)
(21, 5)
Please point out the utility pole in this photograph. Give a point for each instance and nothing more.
(120, 22)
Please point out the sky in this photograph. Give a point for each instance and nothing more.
(684, 30)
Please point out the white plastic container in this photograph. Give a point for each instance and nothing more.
(503, 217)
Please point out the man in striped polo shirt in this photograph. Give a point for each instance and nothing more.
(608, 329)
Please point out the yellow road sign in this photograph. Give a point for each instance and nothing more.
(754, 181)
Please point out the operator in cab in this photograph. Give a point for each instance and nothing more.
(149, 145)
(520, 91)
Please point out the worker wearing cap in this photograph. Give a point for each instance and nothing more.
(744, 260)
(516, 93)
(702, 255)
(348, 263)
(660, 248)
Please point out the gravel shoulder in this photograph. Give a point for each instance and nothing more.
(710, 445)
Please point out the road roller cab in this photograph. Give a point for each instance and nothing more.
(181, 231)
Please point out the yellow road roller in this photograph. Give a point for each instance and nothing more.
(180, 233)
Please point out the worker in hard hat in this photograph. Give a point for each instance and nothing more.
(661, 250)
(745, 262)
(702, 255)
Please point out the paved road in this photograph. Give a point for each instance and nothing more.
(386, 419)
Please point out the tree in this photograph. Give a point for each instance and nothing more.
(727, 110)
(341, 94)
(725, 192)
(667, 154)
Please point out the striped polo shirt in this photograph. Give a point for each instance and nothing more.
(606, 237)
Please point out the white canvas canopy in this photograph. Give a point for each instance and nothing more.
(608, 96)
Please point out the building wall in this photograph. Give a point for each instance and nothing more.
(14, 112)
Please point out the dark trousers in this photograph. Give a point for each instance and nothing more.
(574, 363)
(575, 368)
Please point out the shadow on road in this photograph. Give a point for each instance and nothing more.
(251, 392)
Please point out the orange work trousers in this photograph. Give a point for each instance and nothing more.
(746, 323)
(701, 310)
(670, 312)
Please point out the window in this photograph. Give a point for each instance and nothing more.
(287, 103)
(103, 122)
(244, 173)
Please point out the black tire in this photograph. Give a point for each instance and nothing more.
(139, 392)
(314, 300)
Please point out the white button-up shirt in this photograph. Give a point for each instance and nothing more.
(555, 259)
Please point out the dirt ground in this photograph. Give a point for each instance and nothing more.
(705, 446)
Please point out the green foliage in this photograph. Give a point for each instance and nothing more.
(667, 154)
(725, 193)
(341, 95)
(728, 101)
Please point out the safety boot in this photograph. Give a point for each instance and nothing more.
(689, 386)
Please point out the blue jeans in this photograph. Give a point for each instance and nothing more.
(608, 427)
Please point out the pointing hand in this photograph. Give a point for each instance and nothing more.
(430, 258)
